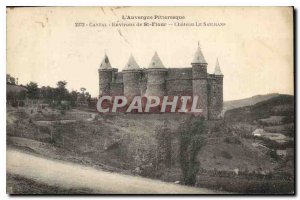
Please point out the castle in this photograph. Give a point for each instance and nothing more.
(157, 80)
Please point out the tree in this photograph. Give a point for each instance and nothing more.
(83, 90)
(61, 84)
(61, 92)
(47, 93)
(21, 95)
(32, 90)
(191, 141)
(73, 98)
(164, 141)
(88, 97)
(10, 80)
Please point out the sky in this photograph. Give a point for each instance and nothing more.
(254, 47)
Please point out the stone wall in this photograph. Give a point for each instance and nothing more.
(219, 95)
(212, 100)
(200, 87)
(105, 78)
(215, 98)
(156, 83)
(171, 81)
(179, 82)
(143, 83)
(131, 82)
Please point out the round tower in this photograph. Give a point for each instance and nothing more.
(156, 73)
(218, 90)
(105, 77)
(131, 79)
(199, 70)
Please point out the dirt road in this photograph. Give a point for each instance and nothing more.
(69, 175)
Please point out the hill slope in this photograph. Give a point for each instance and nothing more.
(228, 105)
(280, 105)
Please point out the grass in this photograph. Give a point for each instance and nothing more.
(123, 143)
(16, 185)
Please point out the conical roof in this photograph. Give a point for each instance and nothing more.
(131, 64)
(105, 64)
(218, 69)
(198, 57)
(156, 62)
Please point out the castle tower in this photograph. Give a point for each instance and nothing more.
(105, 76)
(131, 79)
(219, 89)
(199, 70)
(215, 93)
(156, 73)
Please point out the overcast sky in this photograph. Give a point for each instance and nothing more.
(255, 47)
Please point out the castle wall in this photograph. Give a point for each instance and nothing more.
(156, 83)
(179, 82)
(171, 81)
(219, 94)
(131, 82)
(118, 77)
(143, 83)
(215, 99)
(200, 87)
(105, 78)
(116, 86)
(212, 101)
(116, 89)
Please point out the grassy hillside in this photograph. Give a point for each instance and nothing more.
(281, 105)
(228, 105)
(132, 144)
(270, 118)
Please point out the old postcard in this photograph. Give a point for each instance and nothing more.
(150, 100)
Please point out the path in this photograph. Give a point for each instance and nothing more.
(68, 175)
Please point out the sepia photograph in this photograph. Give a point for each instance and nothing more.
(150, 100)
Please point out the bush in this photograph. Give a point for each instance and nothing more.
(232, 140)
(14, 104)
(226, 155)
(63, 109)
(191, 141)
(274, 155)
(21, 103)
(57, 134)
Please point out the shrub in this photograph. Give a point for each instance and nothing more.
(57, 134)
(226, 155)
(191, 141)
(274, 155)
(63, 109)
(14, 104)
(232, 140)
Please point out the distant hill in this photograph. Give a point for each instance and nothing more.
(280, 105)
(228, 105)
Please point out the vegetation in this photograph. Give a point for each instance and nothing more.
(19, 185)
(32, 90)
(226, 155)
(57, 137)
(164, 141)
(10, 80)
(191, 141)
(281, 105)
(58, 97)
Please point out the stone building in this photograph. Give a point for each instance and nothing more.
(158, 80)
